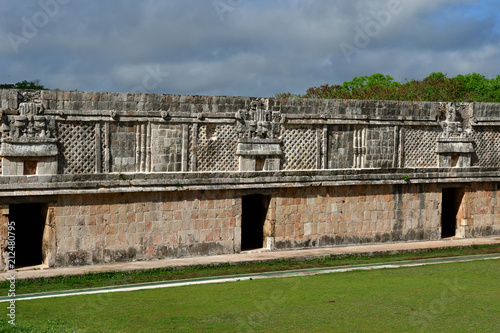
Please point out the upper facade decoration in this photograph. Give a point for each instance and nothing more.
(29, 142)
(93, 133)
(259, 146)
(258, 122)
(455, 147)
(457, 120)
(28, 124)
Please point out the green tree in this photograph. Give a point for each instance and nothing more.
(436, 87)
(34, 85)
(370, 82)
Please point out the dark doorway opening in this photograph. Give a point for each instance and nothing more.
(30, 223)
(254, 211)
(452, 200)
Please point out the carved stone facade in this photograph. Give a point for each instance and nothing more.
(455, 148)
(116, 177)
(259, 147)
(29, 145)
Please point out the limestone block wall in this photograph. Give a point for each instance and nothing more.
(341, 149)
(125, 227)
(381, 150)
(4, 242)
(116, 227)
(107, 228)
(166, 146)
(483, 210)
(325, 216)
(122, 144)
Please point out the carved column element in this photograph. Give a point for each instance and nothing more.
(49, 239)
(259, 149)
(4, 240)
(185, 148)
(464, 216)
(138, 150)
(143, 142)
(324, 148)
(107, 154)
(402, 135)
(397, 148)
(148, 147)
(143, 148)
(98, 150)
(359, 146)
(194, 147)
(319, 144)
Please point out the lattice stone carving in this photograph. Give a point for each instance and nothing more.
(487, 141)
(78, 148)
(216, 149)
(420, 147)
(300, 148)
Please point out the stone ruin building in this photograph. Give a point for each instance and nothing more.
(93, 177)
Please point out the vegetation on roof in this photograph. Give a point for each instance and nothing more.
(33, 85)
(437, 87)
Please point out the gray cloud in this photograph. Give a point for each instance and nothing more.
(242, 47)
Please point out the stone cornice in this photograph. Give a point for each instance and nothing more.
(152, 182)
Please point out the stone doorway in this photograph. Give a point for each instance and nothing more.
(253, 217)
(451, 204)
(30, 224)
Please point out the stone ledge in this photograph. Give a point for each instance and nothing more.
(40, 148)
(154, 182)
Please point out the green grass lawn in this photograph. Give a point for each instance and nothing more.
(458, 297)
(94, 280)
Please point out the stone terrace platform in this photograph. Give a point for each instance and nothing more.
(256, 256)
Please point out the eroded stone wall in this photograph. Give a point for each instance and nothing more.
(483, 209)
(108, 228)
(324, 216)
(126, 227)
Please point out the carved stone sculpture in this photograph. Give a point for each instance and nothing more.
(259, 148)
(454, 147)
(28, 137)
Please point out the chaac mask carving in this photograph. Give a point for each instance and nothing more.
(28, 124)
(456, 123)
(258, 122)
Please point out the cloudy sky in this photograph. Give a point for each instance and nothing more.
(242, 47)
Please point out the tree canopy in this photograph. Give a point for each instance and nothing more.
(436, 87)
(35, 85)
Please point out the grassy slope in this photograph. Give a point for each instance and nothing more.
(437, 298)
